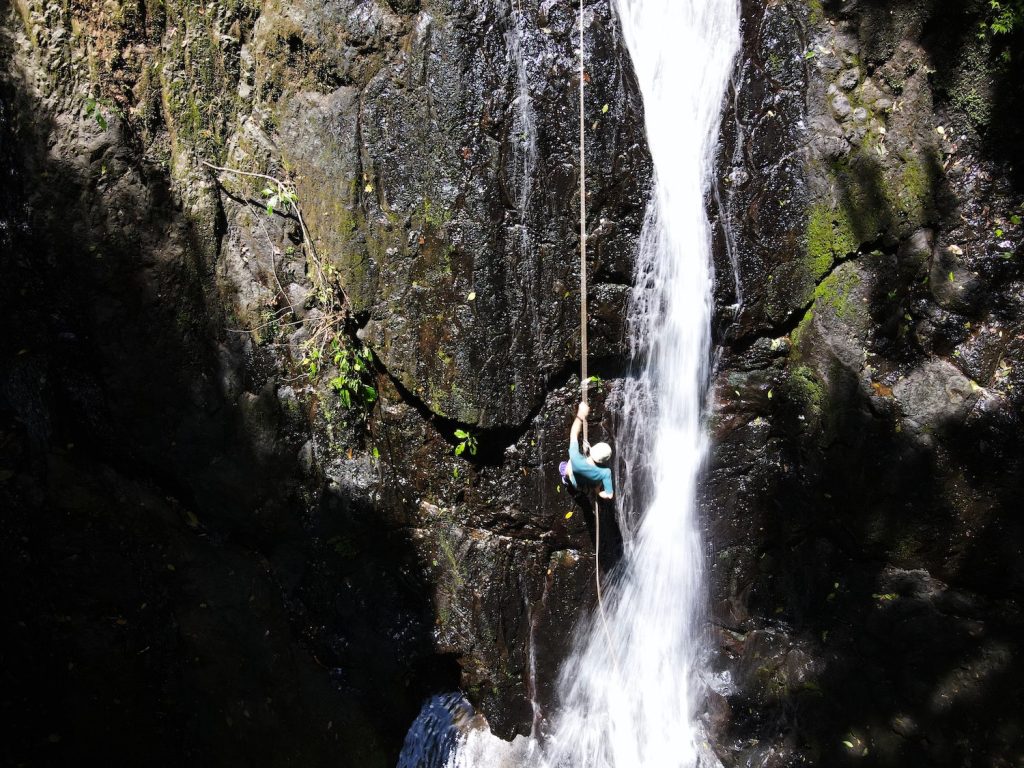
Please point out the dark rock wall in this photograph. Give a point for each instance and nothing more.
(864, 493)
(206, 553)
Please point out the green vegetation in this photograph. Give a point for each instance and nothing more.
(915, 191)
(806, 387)
(330, 351)
(1004, 16)
(835, 292)
(280, 195)
(815, 12)
(92, 109)
(353, 369)
(432, 217)
(830, 236)
(350, 363)
(468, 442)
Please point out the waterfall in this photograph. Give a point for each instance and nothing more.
(630, 689)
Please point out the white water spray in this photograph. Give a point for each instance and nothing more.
(629, 700)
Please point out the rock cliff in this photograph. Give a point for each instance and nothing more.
(271, 478)
(237, 507)
(866, 409)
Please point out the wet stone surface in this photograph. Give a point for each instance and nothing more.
(159, 320)
(866, 465)
(216, 557)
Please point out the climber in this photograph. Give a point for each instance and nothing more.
(587, 468)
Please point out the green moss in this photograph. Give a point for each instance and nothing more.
(344, 239)
(829, 236)
(432, 216)
(815, 12)
(835, 292)
(914, 197)
(797, 334)
(969, 84)
(197, 96)
(807, 388)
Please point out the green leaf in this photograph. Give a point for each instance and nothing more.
(461, 434)
(472, 448)
(848, 744)
(376, 453)
(1015, 220)
(370, 394)
(101, 121)
(604, 109)
(999, 233)
(952, 277)
(459, 449)
(346, 398)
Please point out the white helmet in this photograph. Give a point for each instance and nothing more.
(600, 452)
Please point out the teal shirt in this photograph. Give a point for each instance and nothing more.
(583, 469)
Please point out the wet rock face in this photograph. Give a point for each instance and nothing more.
(867, 460)
(173, 339)
(437, 180)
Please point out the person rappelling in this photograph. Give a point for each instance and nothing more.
(585, 468)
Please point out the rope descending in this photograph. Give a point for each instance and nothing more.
(583, 235)
(583, 340)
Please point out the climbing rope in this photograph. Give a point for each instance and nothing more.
(583, 235)
(583, 341)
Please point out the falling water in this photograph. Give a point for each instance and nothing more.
(630, 689)
(524, 122)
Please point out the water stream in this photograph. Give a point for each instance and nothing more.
(630, 691)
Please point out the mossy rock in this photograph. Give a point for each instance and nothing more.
(829, 236)
(837, 293)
